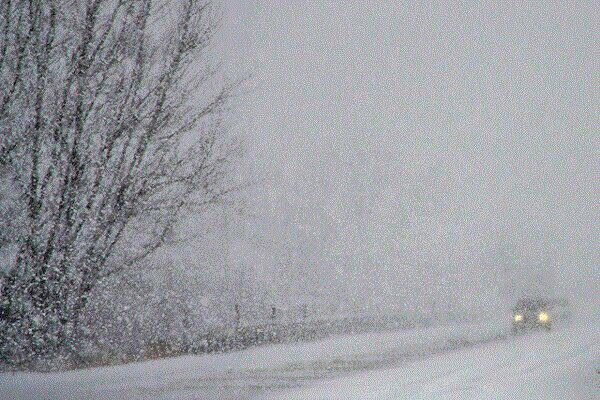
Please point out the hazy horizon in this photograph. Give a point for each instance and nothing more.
(399, 143)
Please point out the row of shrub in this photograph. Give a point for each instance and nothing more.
(238, 338)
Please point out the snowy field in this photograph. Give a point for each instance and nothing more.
(473, 361)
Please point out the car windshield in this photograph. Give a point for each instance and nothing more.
(531, 304)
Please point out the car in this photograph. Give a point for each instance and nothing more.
(531, 313)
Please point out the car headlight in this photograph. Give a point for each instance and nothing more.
(518, 318)
(543, 316)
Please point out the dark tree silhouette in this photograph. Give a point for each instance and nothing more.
(107, 137)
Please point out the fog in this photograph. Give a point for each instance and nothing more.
(412, 153)
(292, 199)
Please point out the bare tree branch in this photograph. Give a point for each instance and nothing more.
(99, 137)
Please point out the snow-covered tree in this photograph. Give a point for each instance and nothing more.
(111, 128)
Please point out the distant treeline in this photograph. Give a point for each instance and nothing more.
(246, 336)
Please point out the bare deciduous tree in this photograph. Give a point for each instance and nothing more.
(106, 137)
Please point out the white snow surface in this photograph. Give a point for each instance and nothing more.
(469, 361)
(564, 364)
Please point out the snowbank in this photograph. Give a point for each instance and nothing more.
(250, 372)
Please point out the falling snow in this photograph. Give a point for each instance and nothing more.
(239, 199)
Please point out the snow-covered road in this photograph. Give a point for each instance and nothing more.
(475, 361)
(564, 364)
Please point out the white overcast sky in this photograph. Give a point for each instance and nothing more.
(462, 120)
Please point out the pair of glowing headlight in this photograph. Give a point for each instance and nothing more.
(542, 317)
